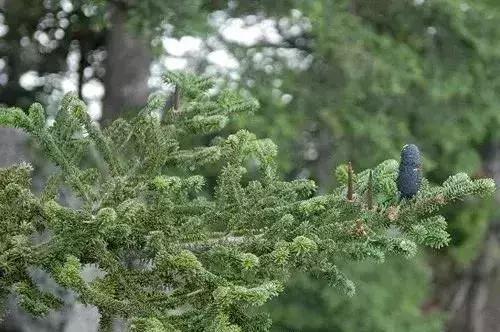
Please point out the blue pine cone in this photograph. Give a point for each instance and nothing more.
(410, 171)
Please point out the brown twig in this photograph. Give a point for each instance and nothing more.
(369, 191)
(177, 98)
(350, 185)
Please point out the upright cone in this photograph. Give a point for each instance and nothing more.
(410, 171)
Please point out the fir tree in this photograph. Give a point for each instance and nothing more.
(174, 255)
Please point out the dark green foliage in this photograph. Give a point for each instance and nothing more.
(40, 36)
(392, 300)
(173, 255)
(382, 73)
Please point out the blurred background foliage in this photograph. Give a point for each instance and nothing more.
(309, 307)
(337, 80)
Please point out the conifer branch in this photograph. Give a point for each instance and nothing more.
(199, 258)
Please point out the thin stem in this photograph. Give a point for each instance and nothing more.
(177, 98)
(350, 185)
(369, 193)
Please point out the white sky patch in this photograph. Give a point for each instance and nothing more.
(3, 27)
(4, 78)
(182, 46)
(174, 63)
(155, 82)
(286, 98)
(223, 59)
(73, 60)
(181, 54)
(93, 89)
(238, 31)
(59, 34)
(67, 6)
(94, 109)
(68, 85)
(294, 59)
(30, 80)
(42, 38)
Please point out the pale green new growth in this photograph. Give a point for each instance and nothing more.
(174, 255)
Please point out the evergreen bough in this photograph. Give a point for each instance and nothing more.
(173, 254)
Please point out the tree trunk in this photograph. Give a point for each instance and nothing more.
(127, 67)
(475, 306)
(13, 147)
(325, 160)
